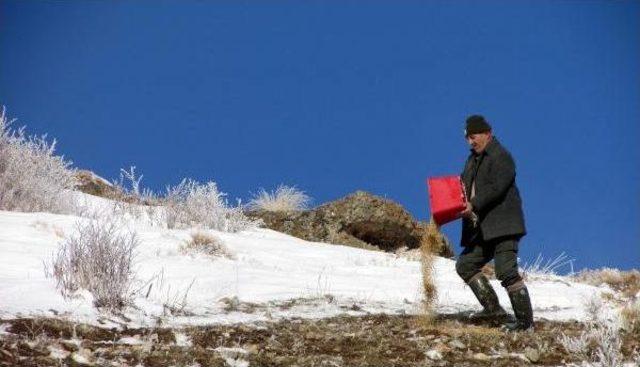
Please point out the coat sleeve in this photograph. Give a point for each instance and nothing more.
(504, 173)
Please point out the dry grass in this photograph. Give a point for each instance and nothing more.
(542, 268)
(207, 244)
(627, 282)
(430, 239)
(631, 317)
(283, 199)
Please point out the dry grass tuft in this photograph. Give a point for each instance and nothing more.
(627, 282)
(430, 239)
(631, 317)
(207, 244)
(283, 199)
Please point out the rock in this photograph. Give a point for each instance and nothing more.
(434, 355)
(70, 345)
(90, 183)
(57, 352)
(457, 344)
(481, 357)
(245, 329)
(311, 335)
(360, 220)
(80, 358)
(230, 303)
(532, 354)
(252, 348)
(443, 348)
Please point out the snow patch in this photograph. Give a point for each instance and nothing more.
(270, 269)
(233, 356)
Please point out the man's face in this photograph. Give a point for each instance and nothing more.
(478, 142)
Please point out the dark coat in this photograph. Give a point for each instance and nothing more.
(497, 199)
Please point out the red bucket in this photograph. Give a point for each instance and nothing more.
(447, 198)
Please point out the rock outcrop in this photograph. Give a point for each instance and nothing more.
(92, 184)
(360, 220)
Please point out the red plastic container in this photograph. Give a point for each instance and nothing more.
(447, 198)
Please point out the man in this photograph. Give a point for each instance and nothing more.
(492, 226)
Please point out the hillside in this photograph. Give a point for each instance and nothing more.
(264, 288)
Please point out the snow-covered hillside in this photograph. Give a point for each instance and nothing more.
(266, 269)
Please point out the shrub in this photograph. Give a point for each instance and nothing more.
(207, 244)
(191, 204)
(601, 342)
(284, 199)
(98, 258)
(134, 201)
(32, 177)
(128, 186)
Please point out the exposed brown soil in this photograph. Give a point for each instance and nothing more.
(374, 340)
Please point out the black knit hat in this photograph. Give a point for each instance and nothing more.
(476, 124)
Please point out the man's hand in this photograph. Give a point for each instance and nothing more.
(468, 212)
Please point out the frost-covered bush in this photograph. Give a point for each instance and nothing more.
(98, 258)
(32, 177)
(128, 185)
(284, 199)
(577, 346)
(601, 342)
(191, 204)
(136, 202)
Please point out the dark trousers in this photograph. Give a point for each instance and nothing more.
(504, 252)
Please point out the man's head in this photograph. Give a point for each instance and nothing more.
(477, 133)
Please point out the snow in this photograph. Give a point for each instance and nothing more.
(268, 268)
(233, 356)
(182, 340)
(57, 352)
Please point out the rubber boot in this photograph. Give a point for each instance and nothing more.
(487, 297)
(521, 303)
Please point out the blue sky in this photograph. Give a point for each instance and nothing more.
(338, 96)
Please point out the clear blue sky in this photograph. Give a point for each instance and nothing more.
(335, 96)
